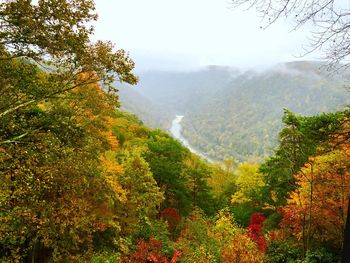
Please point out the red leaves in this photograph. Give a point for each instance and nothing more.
(156, 259)
(147, 250)
(255, 233)
(151, 251)
(172, 216)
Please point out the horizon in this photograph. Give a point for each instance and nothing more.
(241, 69)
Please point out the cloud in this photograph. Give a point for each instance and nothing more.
(196, 32)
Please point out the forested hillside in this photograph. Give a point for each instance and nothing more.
(244, 118)
(238, 115)
(150, 113)
(83, 181)
(171, 93)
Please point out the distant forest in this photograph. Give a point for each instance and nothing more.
(231, 114)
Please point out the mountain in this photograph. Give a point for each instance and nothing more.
(150, 113)
(233, 114)
(181, 91)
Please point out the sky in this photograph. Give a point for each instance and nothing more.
(187, 34)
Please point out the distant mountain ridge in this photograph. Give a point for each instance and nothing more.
(150, 113)
(233, 114)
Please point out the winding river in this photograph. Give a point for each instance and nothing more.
(175, 130)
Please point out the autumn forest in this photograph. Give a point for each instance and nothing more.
(83, 181)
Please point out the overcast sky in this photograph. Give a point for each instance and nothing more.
(185, 34)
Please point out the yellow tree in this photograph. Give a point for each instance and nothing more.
(316, 211)
(249, 183)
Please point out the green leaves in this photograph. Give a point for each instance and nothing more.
(301, 138)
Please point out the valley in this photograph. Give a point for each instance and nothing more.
(233, 114)
(176, 132)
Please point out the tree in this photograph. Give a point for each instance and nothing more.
(143, 196)
(249, 183)
(195, 240)
(150, 251)
(255, 227)
(197, 172)
(165, 157)
(55, 127)
(316, 211)
(54, 194)
(45, 51)
(301, 138)
(221, 177)
(235, 243)
(331, 20)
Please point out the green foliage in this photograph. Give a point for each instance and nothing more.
(165, 157)
(158, 230)
(197, 172)
(195, 241)
(272, 222)
(283, 251)
(301, 138)
(321, 255)
(142, 193)
(51, 187)
(106, 257)
(249, 183)
(243, 212)
(83, 182)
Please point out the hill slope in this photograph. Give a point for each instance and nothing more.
(229, 114)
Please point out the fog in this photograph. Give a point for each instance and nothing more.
(183, 35)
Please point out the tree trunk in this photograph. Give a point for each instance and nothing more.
(346, 244)
(310, 210)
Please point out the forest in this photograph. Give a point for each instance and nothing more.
(83, 181)
(234, 114)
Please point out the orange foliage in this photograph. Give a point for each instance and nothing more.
(150, 251)
(329, 178)
(241, 250)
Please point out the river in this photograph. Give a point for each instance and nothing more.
(175, 130)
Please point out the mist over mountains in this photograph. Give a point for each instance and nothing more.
(234, 114)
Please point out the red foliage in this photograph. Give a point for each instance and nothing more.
(150, 251)
(292, 217)
(173, 260)
(172, 216)
(255, 233)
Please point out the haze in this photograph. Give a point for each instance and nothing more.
(182, 34)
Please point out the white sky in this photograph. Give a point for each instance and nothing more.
(184, 34)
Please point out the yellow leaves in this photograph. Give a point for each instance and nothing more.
(112, 171)
(42, 106)
(118, 191)
(111, 139)
(109, 164)
(240, 198)
(248, 183)
(235, 243)
(219, 178)
(241, 249)
(274, 196)
(324, 185)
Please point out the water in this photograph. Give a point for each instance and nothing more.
(175, 130)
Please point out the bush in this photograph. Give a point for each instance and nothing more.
(321, 255)
(283, 252)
